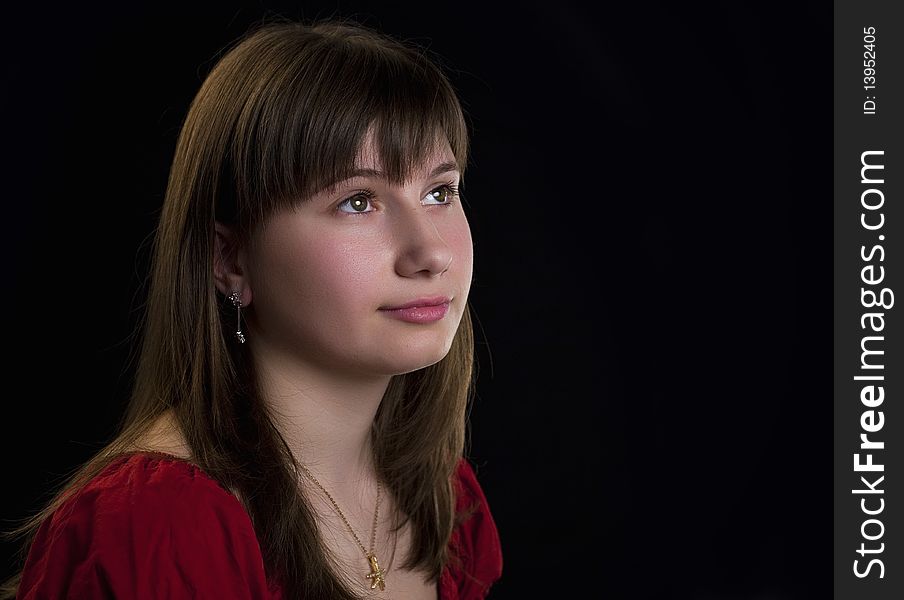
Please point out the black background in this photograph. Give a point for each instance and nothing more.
(649, 197)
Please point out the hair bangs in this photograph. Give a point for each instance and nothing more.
(296, 139)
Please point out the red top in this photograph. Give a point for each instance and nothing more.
(153, 525)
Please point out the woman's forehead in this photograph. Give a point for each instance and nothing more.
(369, 163)
(379, 156)
(438, 158)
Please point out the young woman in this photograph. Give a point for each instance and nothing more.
(297, 425)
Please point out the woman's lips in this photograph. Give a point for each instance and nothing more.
(423, 301)
(418, 314)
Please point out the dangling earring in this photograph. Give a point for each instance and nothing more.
(237, 303)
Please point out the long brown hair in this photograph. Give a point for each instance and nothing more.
(280, 116)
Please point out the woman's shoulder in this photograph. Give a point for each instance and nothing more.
(145, 488)
(467, 484)
(476, 538)
(146, 521)
(154, 484)
(471, 501)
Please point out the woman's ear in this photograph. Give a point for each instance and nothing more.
(229, 269)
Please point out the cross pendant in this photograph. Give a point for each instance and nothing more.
(376, 573)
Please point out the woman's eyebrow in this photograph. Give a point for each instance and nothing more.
(443, 167)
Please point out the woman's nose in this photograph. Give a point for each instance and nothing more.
(421, 247)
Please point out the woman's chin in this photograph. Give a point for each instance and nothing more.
(410, 358)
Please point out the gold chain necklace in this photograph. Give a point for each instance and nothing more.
(376, 575)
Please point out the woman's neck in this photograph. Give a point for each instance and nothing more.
(326, 419)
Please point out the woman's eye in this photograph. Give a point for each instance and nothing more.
(358, 203)
(445, 193)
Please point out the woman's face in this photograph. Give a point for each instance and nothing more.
(321, 275)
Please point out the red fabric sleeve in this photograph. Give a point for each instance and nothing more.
(146, 528)
(477, 539)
